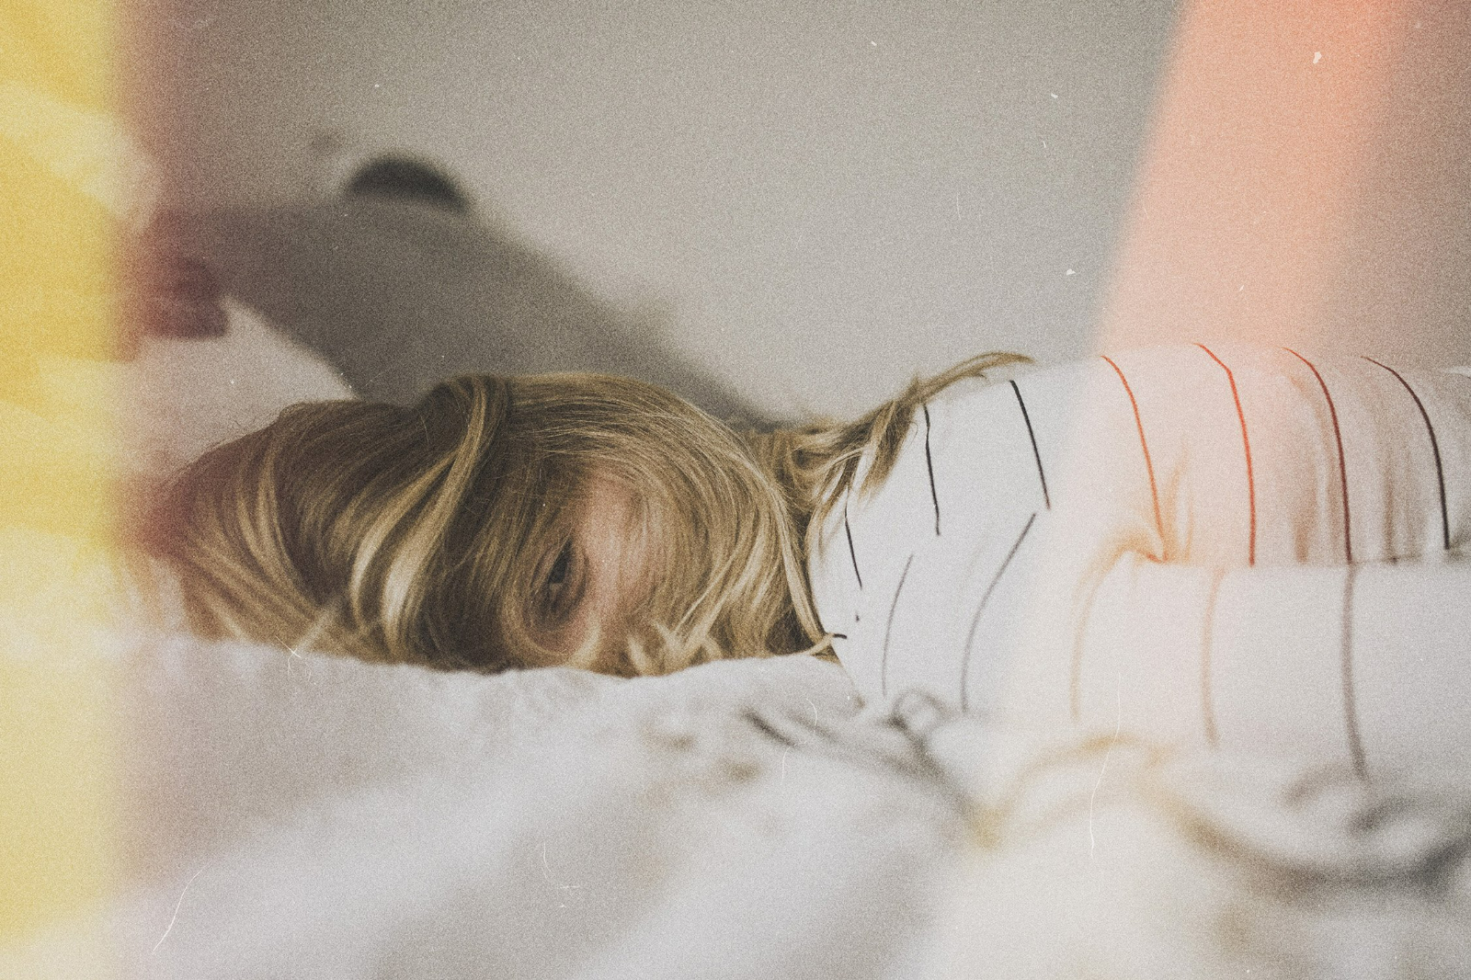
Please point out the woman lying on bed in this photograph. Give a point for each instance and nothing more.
(604, 523)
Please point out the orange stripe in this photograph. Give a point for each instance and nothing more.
(1246, 447)
(1075, 678)
(1144, 445)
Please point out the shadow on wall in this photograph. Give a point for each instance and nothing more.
(399, 284)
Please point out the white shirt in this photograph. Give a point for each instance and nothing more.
(1043, 540)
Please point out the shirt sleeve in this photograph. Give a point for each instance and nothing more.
(1362, 664)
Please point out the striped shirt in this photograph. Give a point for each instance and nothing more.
(1050, 547)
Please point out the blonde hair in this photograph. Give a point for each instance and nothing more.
(415, 534)
(815, 464)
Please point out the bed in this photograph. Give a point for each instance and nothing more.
(292, 815)
(288, 814)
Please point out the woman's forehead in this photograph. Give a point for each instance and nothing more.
(606, 495)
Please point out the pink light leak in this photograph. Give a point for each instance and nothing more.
(1261, 147)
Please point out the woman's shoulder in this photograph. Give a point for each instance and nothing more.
(1177, 374)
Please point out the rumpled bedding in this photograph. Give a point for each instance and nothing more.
(287, 814)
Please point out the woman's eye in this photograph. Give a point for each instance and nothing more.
(557, 575)
(558, 590)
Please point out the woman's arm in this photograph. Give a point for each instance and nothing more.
(1367, 664)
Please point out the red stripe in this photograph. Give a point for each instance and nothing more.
(1348, 544)
(1144, 445)
(1246, 447)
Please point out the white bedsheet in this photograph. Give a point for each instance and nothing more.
(290, 815)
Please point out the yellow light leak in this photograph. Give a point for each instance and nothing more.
(63, 201)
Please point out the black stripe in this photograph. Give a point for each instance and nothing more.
(975, 621)
(889, 629)
(1445, 521)
(851, 554)
(1046, 500)
(930, 466)
(764, 727)
(1348, 541)
(1346, 652)
(1207, 641)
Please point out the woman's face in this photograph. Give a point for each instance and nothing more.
(589, 588)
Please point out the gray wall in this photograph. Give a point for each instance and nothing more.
(812, 200)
